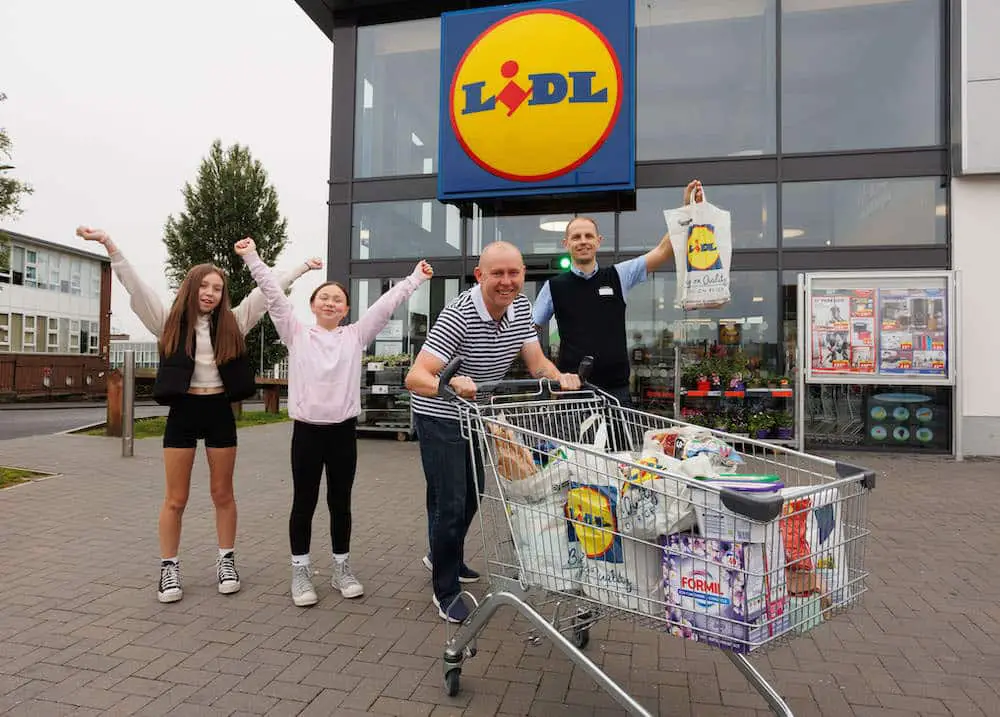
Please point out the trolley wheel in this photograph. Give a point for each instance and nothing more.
(581, 637)
(452, 678)
(402, 436)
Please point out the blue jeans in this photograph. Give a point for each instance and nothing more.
(452, 498)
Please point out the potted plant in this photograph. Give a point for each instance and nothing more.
(719, 422)
(760, 425)
(736, 383)
(784, 423)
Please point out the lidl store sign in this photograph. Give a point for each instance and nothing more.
(537, 98)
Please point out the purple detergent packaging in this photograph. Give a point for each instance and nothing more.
(725, 594)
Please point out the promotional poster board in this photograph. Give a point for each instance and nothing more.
(890, 327)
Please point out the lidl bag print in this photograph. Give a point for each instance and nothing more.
(701, 236)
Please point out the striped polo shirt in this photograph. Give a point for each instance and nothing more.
(487, 346)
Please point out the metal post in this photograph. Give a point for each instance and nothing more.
(128, 402)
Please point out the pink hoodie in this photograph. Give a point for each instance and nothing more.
(324, 367)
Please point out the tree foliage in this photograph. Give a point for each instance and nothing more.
(231, 198)
(12, 190)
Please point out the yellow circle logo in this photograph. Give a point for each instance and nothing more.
(595, 521)
(702, 251)
(536, 95)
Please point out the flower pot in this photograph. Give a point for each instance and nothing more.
(785, 433)
(763, 433)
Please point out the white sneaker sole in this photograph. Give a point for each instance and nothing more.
(170, 596)
(229, 588)
(305, 600)
(430, 566)
(350, 593)
(446, 618)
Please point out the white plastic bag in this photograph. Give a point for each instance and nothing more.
(549, 550)
(617, 570)
(701, 236)
(652, 505)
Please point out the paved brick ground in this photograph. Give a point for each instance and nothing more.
(81, 631)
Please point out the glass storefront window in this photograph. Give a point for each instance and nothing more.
(396, 99)
(745, 332)
(865, 74)
(901, 418)
(752, 208)
(866, 212)
(407, 329)
(401, 230)
(536, 233)
(705, 79)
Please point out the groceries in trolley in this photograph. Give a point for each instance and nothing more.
(725, 594)
(650, 532)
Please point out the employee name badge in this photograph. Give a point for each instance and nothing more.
(606, 291)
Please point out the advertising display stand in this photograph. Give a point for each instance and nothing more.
(864, 330)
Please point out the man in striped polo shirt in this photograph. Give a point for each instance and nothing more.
(488, 325)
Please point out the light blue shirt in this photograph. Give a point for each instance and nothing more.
(630, 273)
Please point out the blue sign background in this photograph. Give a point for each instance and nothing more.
(612, 167)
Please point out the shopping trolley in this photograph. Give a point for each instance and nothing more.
(591, 510)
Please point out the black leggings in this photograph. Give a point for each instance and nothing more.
(334, 446)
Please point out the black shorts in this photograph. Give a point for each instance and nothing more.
(209, 417)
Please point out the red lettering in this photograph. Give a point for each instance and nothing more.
(701, 585)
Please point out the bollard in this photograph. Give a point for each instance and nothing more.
(128, 402)
(114, 410)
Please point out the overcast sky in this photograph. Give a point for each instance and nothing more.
(112, 104)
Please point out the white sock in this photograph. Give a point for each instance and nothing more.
(169, 560)
(341, 558)
(300, 560)
(223, 552)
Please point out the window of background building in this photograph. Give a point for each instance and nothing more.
(752, 208)
(16, 332)
(74, 284)
(54, 261)
(64, 344)
(17, 265)
(28, 343)
(535, 233)
(705, 79)
(868, 212)
(4, 332)
(42, 268)
(30, 268)
(407, 328)
(865, 74)
(401, 230)
(396, 99)
(52, 343)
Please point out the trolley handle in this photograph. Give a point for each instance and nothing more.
(758, 508)
(504, 385)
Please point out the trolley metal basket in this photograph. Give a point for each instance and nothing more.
(591, 510)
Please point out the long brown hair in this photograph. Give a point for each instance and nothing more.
(228, 342)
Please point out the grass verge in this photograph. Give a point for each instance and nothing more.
(13, 476)
(154, 426)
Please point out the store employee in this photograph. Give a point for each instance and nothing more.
(589, 303)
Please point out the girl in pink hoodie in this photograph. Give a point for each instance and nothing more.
(324, 400)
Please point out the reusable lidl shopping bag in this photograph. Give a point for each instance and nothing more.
(701, 236)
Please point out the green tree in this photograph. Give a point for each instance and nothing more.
(230, 199)
(11, 190)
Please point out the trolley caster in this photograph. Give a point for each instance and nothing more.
(452, 679)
